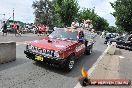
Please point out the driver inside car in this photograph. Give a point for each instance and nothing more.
(81, 37)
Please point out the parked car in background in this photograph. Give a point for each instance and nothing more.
(108, 37)
(125, 43)
(0, 30)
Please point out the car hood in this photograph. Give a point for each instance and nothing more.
(53, 44)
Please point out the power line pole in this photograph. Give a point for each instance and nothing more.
(13, 14)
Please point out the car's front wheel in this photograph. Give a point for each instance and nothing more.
(69, 65)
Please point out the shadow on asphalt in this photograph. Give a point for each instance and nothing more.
(12, 64)
(84, 61)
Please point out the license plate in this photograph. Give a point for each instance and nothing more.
(40, 58)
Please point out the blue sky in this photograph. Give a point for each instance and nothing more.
(24, 12)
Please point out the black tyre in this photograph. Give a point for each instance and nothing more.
(117, 46)
(126, 48)
(69, 65)
(105, 42)
(130, 49)
(88, 51)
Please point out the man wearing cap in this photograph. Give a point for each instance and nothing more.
(88, 25)
(75, 24)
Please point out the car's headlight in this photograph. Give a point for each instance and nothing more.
(44, 50)
(29, 47)
(56, 54)
(48, 52)
(40, 50)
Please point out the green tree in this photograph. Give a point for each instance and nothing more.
(112, 29)
(98, 22)
(123, 14)
(43, 11)
(119, 30)
(101, 24)
(87, 14)
(67, 10)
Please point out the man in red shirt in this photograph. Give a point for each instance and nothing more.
(39, 30)
(16, 28)
(47, 29)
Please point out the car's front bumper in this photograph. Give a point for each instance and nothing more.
(46, 59)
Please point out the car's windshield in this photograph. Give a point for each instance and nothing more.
(63, 34)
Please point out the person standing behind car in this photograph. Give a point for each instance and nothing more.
(40, 30)
(43, 29)
(47, 30)
(4, 28)
(18, 29)
(14, 27)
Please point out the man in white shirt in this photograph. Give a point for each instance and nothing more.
(75, 24)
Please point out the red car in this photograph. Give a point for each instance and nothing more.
(62, 47)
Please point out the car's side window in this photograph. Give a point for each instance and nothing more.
(81, 37)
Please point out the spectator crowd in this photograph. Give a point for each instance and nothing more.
(15, 27)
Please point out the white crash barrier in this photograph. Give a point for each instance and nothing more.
(7, 52)
(111, 48)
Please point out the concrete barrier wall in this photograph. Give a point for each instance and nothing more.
(111, 48)
(7, 52)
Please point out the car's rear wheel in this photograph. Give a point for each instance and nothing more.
(69, 65)
(117, 46)
(130, 49)
(89, 51)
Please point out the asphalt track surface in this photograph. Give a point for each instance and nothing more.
(25, 73)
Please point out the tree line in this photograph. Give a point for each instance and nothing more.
(62, 13)
(123, 14)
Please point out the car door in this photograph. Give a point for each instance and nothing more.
(80, 47)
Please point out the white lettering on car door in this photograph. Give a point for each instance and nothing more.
(80, 47)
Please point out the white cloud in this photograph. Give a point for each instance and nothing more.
(24, 10)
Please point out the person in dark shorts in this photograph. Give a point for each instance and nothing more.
(18, 29)
(14, 27)
(40, 30)
(4, 28)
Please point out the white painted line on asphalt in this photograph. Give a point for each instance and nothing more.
(20, 43)
(121, 57)
(93, 66)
